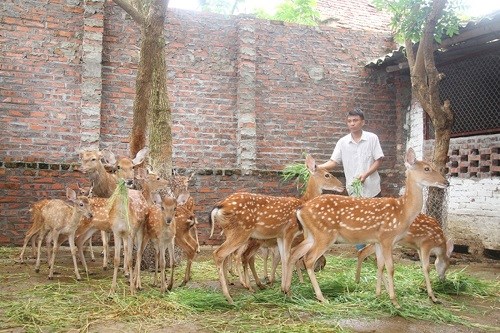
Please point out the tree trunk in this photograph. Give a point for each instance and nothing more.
(159, 116)
(425, 86)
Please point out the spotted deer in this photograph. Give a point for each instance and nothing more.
(104, 177)
(127, 212)
(426, 236)
(382, 221)
(160, 228)
(35, 210)
(246, 215)
(59, 217)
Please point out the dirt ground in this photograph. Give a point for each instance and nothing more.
(479, 311)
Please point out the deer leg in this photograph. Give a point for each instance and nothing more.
(128, 245)
(389, 267)
(424, 259)
(105, 249)
(188, 246)
(72, 247)
(116, 260)
(55, 240)
(195, 230)
(29, 236)
(380, 268)
(170, 247)
(161, 251)
(362, 254)
(232, 243)
(138, 257)
(310, 258)
(276, 261)
(298, 252)
(41, 236)
(91, 250)
(80, 240)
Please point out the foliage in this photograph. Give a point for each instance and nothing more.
(408, 18)
(357, 187)
(294, 11)
(298, 173)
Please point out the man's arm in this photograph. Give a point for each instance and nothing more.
(328, 165)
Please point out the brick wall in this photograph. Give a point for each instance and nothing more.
(248, 97)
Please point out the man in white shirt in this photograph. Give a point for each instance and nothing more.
(360, 155)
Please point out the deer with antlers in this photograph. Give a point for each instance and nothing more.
(59, 217)
(246, 215)
(427, 237)
(382, 221)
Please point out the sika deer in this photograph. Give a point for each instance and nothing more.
(426, 236)
(160, 229)
(361, 220)
(127, 213)
(104, 184)
(184, 215)
(245, 215)
(61, 218)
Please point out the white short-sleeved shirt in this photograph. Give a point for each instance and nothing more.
(356, 158)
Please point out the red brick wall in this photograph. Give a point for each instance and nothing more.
(301, 82)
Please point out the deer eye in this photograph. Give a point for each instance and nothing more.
(81, 204)
(327, 175)
(427, 169)
(93, 159)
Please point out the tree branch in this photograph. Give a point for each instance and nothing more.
(132, 11)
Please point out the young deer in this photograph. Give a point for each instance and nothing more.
(185, 224)
(104, 184)
(245, 215)
(35, 227)
(426, 236)
(160, 228)
(363, 220)
(127, 213)
(59, 217)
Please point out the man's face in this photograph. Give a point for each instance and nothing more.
(355, 123)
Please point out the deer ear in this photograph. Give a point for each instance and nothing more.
(182, 198)
(156, 198)
(410, 158)
(70, 194)
(108, 157)
(310, 163)
(140, 156)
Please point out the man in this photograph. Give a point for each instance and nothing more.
(360, 155)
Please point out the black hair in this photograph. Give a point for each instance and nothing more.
(356, 112)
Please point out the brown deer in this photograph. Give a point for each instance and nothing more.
(160, 228)
(426, 236)
(103, 185)
(35, 210)
(246, 215)
(59, 217)
(127, 213)
(382, 221)
(185, 225)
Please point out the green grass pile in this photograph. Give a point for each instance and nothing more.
(84, 305)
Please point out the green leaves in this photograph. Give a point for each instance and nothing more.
(408, 18)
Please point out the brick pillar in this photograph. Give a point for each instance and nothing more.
(92, 73)
(245, 102)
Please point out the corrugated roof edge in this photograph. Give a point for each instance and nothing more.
(391, 58)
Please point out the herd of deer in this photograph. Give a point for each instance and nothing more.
(303, 229)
